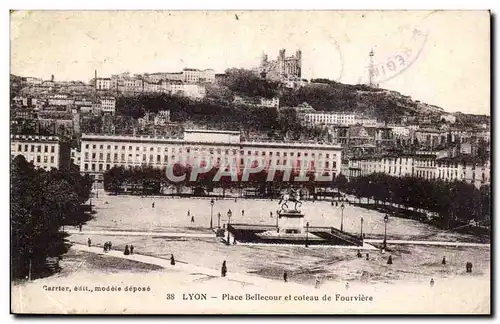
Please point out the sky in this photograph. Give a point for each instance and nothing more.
(441, 58)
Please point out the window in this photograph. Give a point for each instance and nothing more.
(137, 148)
(108, 156)
(327, 164)
(327, 155)
(51, 159)
(144, 157)
(116, 147)
(93, 156)
(123, 147)
(107, 166)
(19, 147)
(39, 148)
(52, 148)
(151, 158)
(86, 166)
(45, 159)
(86, 155)
(26, 148)
(151, 149)
(100, 156)
(115, 157)
(334, 164)
(86, 146)
(32, 148)
(165, 159)
(93, 146)
(109, 147)
(100, 166)
(158, 158)
(101, 147)
(123, 158)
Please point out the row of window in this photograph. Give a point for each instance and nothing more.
(121, 158)
(209, 150)
(38, 159)
(33, 147)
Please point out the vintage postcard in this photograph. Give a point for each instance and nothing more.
(250, 162)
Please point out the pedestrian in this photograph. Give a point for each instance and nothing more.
(189, 213)
(131, 249)
(271, 214)
(359, 254)
(109, 245)
(470, 266)
(316, 282)
(153, 205)
(126, 252)
(235, 199)
(172, 260)
(346, 285)
(432, 282)
(389, 261)
(105, 247)
(192, 219)
(234, 240)
(89, 242)
(224, 269)
(243, 212)
(444, 261)
(80, 226)
(285, 276)
(367, 256)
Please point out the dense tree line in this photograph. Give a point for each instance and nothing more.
(149, 180)
(246, 82)
(41, 202)
(453, 202)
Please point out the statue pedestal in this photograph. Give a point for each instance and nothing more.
(291, 221)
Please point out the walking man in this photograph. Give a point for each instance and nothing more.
(126, 252)
(444, 261)
(80, 226)
(224, 269)
(432, 282)
(89, 242)
(131, 249)
(192, 219)
(285, 276)
(172, 260)
(153, 205)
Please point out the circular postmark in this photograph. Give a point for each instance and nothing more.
(382, 70)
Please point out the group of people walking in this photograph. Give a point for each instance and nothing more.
(128, 250)
(107, 246)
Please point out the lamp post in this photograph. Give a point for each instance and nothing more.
(342, 218)
(362, 226)
(386, 219)
(277, 221)
(229, 214)
(218, 220)
(211, 212)
(307, 234)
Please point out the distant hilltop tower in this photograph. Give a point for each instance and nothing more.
(283, 68)
(371, 81)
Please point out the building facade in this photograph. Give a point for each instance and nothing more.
(101, 152)
(329, 118)
(108, 105)
(283, 68)
(425, 166)
(44, 152)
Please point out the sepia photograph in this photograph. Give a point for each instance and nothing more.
(285, 162)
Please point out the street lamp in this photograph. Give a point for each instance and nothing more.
(212, 202)
(277, 221)
(386, 219)
(307, 234)
(229, 214)
(362, 226)
(342, 218)
(218, 220)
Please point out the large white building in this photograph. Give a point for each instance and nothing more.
(43, 151)
(425, 166)
(101, 152)
(196, 75)
(108, 105)
(103, 84)
(329, 118)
